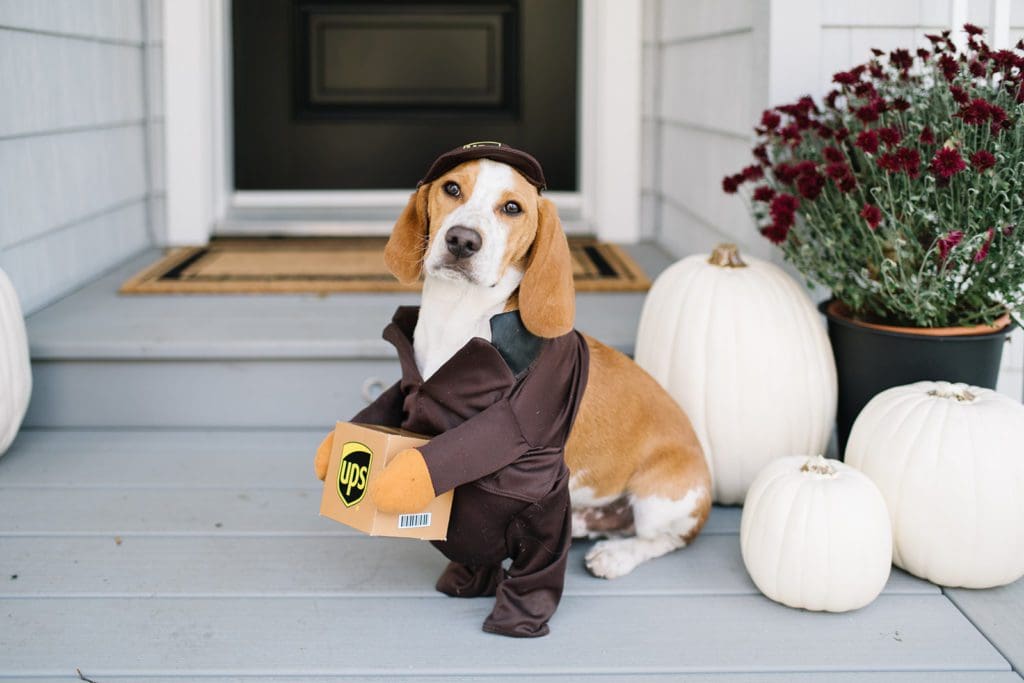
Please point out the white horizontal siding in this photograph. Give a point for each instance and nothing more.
(701, 19)
(53, 83)
(81, 173)
(888, 13)
(77, 136)
(45, 269)
(110, 20)
(703, 105)
(710, 84)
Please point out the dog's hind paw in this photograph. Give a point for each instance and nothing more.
(614, 558)
(619, 556)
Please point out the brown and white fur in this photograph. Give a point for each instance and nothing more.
(638, 474)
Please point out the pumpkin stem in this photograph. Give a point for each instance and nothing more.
(726, 256)
(818, 465)
(959, 392)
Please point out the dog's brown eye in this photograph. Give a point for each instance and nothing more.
(511, 208)
(452, 189)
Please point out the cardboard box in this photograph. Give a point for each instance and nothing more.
(359, 455)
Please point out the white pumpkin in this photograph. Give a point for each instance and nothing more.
(949, 459)
(743, 350)
(15, 372)
(815, 535)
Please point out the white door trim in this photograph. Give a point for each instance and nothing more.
(197, 92)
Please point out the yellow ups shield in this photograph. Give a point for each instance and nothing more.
(353, 472)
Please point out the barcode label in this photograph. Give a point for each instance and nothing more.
(414, 521)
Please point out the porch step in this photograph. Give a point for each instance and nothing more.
(105, 360)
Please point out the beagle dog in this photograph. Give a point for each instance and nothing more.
(486, 242)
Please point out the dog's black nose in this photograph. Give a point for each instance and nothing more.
(462, 242)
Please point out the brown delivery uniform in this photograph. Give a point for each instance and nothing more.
(500, 413)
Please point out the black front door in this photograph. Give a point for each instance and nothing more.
(361, 94)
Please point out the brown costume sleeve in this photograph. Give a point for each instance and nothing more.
(479, 446)
(385, 411)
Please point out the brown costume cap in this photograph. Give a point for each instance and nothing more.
(496, 151)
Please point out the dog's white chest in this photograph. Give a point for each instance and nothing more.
(452, 313)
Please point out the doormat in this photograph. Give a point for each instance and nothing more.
(339, 264)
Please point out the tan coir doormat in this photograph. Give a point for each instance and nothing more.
(338, 264)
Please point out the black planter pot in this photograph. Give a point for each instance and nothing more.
(870, 360)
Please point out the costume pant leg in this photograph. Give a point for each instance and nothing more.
(477, 542)
(539, 540)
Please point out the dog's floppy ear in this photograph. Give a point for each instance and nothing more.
(408, 242)
(547, 298)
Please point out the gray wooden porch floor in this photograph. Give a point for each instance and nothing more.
(158, 522)
(181, 554)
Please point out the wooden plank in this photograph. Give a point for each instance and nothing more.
(166, 459)
(817, 677)
(999, 614)
(195, 511)
(403, 636)
(353, 566)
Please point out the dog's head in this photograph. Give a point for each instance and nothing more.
(482, 222)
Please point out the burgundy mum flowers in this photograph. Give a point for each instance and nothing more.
(901, 59)
(752, 172)
(982, 160)
(948, 241)
(867, 140)
(973, 30)
(731, 183)
(947, 162)
(909, 161)
(960, 95)
(782, 209)
(890, 136)
(770, 119)
(833, 154)
(872, 214)
(763, 194)
(785, 172)
(784, 206)
(845, 78)
(982, 252)
(889, 162)
(975, 113)
(761, 154)
(949, 67)
(927, 137)
(810, 185)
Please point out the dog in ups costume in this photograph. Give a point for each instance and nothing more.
(544, 433)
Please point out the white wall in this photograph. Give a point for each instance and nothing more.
(74, 173)
(701, 99)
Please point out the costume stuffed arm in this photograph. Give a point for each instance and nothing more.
(386, 410)
(481, 445)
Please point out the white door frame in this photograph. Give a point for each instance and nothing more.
(201, 198)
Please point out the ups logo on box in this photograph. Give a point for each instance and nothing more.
(353, 472)
(360, 453)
